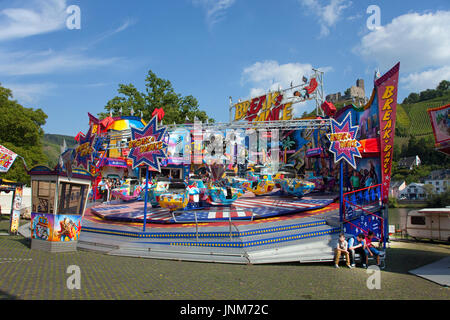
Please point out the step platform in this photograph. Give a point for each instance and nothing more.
(245, 208)
(287, 238)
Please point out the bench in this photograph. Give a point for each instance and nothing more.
(373, 259)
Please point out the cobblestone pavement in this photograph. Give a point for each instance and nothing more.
(31, 274)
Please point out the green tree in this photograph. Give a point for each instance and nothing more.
(159, 93)
(429, 190)
(21, 132)
(443, 86)
(412, 98)
(439, 200)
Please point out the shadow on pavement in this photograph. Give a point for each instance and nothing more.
(401, 260)
(6, 296)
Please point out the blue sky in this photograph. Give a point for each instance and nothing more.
(211, 49)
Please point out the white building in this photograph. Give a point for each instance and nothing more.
(439, 179)
(395, 188)
(413, 191)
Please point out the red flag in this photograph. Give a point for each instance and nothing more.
(159, 112)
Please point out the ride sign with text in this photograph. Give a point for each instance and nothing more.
(148, 146)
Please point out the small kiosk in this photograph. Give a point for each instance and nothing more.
(58, 204)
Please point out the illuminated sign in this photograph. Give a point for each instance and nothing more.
(344, 145)
(147, 145)
(84, 149)
(268, 107)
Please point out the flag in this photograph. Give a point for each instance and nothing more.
(62, 149)
(7, 158)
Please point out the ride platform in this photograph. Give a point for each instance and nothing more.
(247, 207)
(305, 235)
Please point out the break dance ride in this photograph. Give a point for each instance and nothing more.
(262, 188)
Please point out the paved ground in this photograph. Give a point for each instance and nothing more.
(26, 274)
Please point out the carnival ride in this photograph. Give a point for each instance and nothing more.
(130, 190)
(175, 197)
(296, 187)
(220, 212)
(219, 191)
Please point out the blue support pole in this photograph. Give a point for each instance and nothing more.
(341, 194)
(146, 198)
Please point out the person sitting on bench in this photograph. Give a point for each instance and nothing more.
(341, 248)
(370, 249)
(357, 245)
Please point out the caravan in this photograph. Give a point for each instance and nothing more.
(429, 223)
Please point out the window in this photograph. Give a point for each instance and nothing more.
(71, 198)
(43, 196)
(175, 173)
(419, 220)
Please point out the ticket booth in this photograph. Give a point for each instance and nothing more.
(58, 204)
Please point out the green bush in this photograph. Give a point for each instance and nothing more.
(439, 200)
(392, 202)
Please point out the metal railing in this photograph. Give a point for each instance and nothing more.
(230, 225)
(368, 199)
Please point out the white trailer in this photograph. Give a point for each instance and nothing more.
(429, 223)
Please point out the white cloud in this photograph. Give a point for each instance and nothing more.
(429, 79)
(266, 75)
(421, 42)
(21, 63)
(329, 14)
(31, 92)
(269, 74)
(215, 10)
(125, 25)
(417, 41)
(38, 18)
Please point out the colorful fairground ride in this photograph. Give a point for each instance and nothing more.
(301, 179)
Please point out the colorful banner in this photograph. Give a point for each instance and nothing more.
(148, 146)
(66, 227)
(42, 226)
(344, 145)
(179, 148)
(387, 87)
(440, 121)
(55, 228)
(7, 158)
(15, 214)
